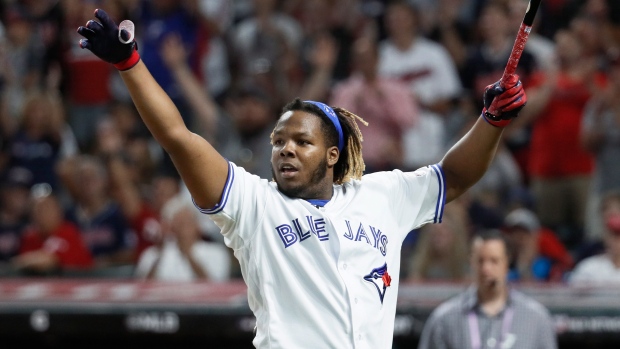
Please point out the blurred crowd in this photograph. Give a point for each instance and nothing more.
(85, 191)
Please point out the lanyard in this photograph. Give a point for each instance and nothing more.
(474, 330)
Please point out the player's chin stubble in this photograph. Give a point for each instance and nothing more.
(308, 190)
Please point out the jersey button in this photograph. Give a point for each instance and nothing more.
(344, 266)
(355, 300)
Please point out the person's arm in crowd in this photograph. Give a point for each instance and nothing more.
(592, 129)
(124, 256)
(202, 168)
(65, 169)
(39, 260)
(197, 269)
(152, 273)
(148, 261)
(538, 97)
(323, 58)
(467, 161)
(125, 192)
(56, 115)
(203, 106)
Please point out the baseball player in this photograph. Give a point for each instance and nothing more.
(319, 245)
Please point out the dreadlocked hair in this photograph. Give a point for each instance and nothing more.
(353, 164)
(350, 163)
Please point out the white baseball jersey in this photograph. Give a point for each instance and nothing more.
(325, 277)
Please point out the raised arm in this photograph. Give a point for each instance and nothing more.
(467, 161)
(201, 167)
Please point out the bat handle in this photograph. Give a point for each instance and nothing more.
(513, 60)
(515, 54)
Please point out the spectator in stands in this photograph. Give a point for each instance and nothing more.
(161, 18)
(451, 25)
(603, 268)
(42, 138)
(539, 46)
(424, 65)
(99, 218)
(559, 167)
(86, 101)
(485, 64)
(241, 136)
(215, 18)
(266, 47)
(338, 21)
(125, 185)
(489, 314)
(486, 61)
(52, 244)
(138, 145)
(600, 134)
(500, 188)
(199, 99)
(14, 208)
(321, 57)
(238, 129)
(46, 19)
(386, 104)
(432, 78)
(180, 254)
(441, 251)
(538, 254)
(22, 59)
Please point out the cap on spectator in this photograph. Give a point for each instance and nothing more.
(17, 177)
(522, 218)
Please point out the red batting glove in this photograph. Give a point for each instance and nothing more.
(506, 102)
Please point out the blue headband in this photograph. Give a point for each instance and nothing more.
(329, 112)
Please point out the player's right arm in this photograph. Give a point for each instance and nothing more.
(201, 167)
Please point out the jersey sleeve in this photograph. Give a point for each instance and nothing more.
(214, 259)
(241, 206)
(419, 196)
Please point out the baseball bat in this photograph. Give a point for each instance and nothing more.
(519, 45)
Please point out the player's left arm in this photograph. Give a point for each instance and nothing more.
(467, 161)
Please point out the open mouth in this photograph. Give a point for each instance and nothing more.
(288, 171)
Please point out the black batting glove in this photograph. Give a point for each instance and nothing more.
(102, 39)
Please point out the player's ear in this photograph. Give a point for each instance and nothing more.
(332, 156)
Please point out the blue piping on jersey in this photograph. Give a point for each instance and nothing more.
(441, 196)
(225, 193)
(318, 202)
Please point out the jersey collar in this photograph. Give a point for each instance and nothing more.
(317, 202)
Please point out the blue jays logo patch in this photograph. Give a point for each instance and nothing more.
(381, 279)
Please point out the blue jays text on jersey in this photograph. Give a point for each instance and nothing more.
(294, 232)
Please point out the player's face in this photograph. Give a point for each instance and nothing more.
(300, 159)
(490, 263)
